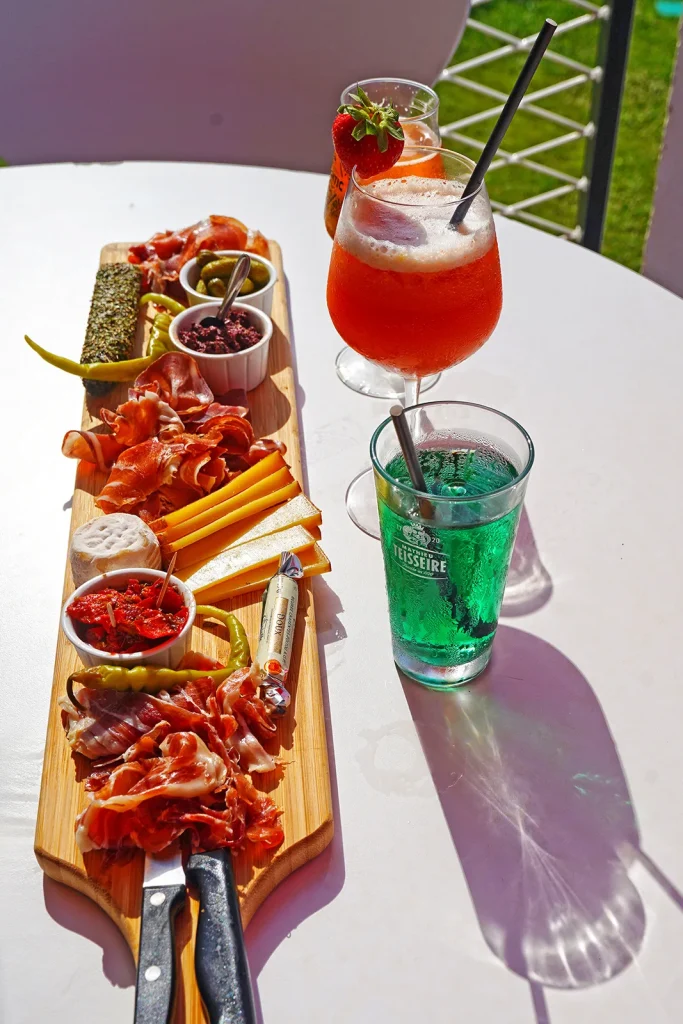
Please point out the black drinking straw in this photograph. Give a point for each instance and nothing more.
(503, 123)
(410, 455)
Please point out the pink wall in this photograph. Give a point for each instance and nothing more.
(664, 249)
(246, 81)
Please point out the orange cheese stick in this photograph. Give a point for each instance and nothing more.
(264, 468)
(313, 560)
(243, 512)
(274, 482)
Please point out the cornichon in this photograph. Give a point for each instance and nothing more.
(112, 321)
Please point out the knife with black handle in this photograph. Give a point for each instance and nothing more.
(221, 965)
(163, 894)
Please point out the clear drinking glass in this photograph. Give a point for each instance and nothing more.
(447, 551)
(418, 108)
(405, 289)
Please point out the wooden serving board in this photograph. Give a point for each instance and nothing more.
(302, 791)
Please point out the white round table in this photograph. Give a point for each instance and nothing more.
(479, 836)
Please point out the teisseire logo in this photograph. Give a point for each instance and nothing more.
(413, 552)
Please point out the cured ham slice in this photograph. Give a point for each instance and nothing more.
(111, 722)
(162, 256)
(137, 473)
(170, 441)
(264, 446)
(172, 764)
(142, 417)
(186, 770)
(175, 377)
(217, 410)
(102, 450)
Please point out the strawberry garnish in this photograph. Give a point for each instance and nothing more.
(367, 135)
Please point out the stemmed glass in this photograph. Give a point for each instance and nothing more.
(418, 108)
(405, 289)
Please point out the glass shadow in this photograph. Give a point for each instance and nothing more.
(536, 800)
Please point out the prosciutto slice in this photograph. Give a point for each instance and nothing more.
(173, 764)
(142, 417)
(170, 442)
(162, 256)
(186, 770)
(136, 474)
(102, 450)
(175, 377)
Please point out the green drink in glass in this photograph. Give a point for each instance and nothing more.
(447, 550)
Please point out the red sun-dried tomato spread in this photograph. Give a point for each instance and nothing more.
(140, 625)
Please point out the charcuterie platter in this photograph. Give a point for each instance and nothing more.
(299, 786)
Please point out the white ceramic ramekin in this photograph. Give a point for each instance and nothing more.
(234, 369)
(261, 298)
(167, 654)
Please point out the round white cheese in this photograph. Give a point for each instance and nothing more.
(116, 541)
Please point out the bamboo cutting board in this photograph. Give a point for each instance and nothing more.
(302, 791)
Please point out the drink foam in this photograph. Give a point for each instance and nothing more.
(410, 230)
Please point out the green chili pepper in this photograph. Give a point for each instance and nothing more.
(162, 321)
(149, 678)
(159, 343)
(126, 370)
(240, 655)
(153, 678)
(162, 300)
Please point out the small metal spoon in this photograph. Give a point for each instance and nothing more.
(237, 279)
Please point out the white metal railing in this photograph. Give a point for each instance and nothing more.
(571, 130)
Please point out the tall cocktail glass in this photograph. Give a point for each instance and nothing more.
(405, 289)
(418, 109)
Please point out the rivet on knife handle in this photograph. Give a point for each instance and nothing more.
(221, 964)
(156, 960)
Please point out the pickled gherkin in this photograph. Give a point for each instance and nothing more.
(112, 320)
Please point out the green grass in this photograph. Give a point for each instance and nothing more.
(644, 106)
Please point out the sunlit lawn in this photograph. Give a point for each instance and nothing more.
(645, 100)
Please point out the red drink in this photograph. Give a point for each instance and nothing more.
(404, 289)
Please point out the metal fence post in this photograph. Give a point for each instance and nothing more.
(612, 57)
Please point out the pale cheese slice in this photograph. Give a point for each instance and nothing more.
(313, 560)
(299, 511)
(116, 541)
(248, 556)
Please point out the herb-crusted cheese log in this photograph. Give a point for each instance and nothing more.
(112, 320)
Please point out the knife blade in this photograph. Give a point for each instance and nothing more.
(163, 894)
(221, 965)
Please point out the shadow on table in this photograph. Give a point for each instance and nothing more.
(78, 913)
(535, 798)
(529, 585)
(319, 881)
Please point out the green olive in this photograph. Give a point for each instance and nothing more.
(216, 287)
(201, 287)
(205, 256)
(222, 267)
(259, 274)
(247, 287)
